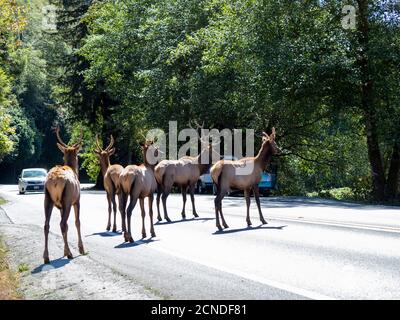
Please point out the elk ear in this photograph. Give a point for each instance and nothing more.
(111, 152)
(61, 147)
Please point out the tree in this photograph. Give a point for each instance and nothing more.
(11, 23)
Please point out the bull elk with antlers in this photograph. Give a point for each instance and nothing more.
(62, 189)
(111, 181)
(138, 182)
(184, 173)
(224, 175)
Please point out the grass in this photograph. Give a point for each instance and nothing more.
(23, 267)
(336, 194)
(8, 279)
(2, 201)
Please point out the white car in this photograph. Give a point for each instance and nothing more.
(32, 180)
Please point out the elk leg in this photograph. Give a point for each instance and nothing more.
(164, 201)
(216, 204)
(66, 209)
(191, 190)
(78, 227)
(153, 234)
(132, 203)
(222, 217)
(122, 206)
(220, 211)
(183, 190)
(247, 196)
(141, 201)
(159, 191)
(257, 196)
(48, 208)
(109, 212)
(114, 229)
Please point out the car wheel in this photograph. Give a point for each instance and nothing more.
(21, 192)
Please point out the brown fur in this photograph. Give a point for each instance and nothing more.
(224, 176)
(111, 181)
(138, 182)
(183, 173)
(62, 189)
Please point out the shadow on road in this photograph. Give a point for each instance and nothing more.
(54, 264)
(105, 234)
(292, 202)
(161, 223)
(135, 244)
(261, 226)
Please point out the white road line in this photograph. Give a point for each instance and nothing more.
(338, 224)
(272, 283)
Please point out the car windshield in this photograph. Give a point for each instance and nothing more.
(33, 174)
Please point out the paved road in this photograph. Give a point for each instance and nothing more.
(310, 249)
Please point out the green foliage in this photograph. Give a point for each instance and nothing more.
(90, 160)
(124, 67)
(25, 137)
(6, 129)
(257, 64)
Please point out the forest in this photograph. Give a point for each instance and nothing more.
(331, 89)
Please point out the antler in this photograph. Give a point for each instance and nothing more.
(271, 136)
(76, 145)
(111, 143)
(196, 124)
(273, 133)
(216, 143)
(203, 140)
(99, 149)
(57, 131)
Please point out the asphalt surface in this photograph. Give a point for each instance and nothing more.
(310, 248)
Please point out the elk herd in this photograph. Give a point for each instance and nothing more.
(125, 186)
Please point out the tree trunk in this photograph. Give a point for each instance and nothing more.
(367, 104)
(374, 155)
(392, 183)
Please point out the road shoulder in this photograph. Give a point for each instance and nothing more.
(79, 278)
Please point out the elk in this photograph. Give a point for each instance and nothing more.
(139, 182)
(224, 177)
(62, 189)
(184, 173)
(111, 180)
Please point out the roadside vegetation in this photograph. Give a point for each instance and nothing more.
(122, 67)
(8, 278)
(345, 194)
